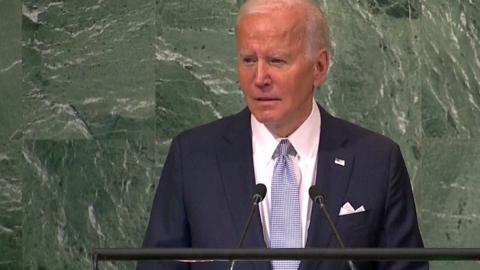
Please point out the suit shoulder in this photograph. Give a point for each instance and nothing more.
(365, 137)
(211, 133)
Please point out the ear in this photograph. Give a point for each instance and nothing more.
(321, 65)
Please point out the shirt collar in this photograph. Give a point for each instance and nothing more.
(304, 139)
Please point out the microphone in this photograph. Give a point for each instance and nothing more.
(319, 198)
(259, 194)
(257, 197)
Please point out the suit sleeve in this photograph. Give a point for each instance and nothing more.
(400, 225)
(168, 225)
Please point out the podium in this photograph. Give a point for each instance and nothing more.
(264, 254)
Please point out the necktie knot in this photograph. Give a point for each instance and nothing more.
(284, 148)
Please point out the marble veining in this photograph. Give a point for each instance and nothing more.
(92, 93)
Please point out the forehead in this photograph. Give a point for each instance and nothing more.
(280, 25)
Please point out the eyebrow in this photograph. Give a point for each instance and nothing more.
(244, 53)
(271, 54)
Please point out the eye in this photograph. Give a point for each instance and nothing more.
(278, 61)
(249, 60)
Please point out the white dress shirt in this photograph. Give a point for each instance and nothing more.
(305, 141)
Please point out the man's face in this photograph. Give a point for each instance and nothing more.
(276, 74)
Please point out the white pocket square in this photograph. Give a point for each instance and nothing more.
(347, 209)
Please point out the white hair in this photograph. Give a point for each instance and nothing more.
(317, 32)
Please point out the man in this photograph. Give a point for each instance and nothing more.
(289, 143)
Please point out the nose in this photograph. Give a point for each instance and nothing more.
(262, 76)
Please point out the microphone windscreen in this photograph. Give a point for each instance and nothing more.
(260, 192)
(314, 193)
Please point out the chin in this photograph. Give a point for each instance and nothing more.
(265, 117)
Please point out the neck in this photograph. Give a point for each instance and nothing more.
(287, 127)
(282, 131)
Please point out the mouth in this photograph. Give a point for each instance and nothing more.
(266, 99)
(266, 102)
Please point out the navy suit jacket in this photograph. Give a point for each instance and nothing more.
(204, 194)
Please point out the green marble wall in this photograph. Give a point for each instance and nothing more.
(92, 91)
(11, 160)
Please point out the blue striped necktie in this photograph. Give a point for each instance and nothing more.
(285, 223)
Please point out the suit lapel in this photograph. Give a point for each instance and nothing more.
(234, 158)
(332, 179)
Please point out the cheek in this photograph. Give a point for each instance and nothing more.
(244, 75)
(284, 84)
(243, 79)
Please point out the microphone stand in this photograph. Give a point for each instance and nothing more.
(258, 196)
(318, 198)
